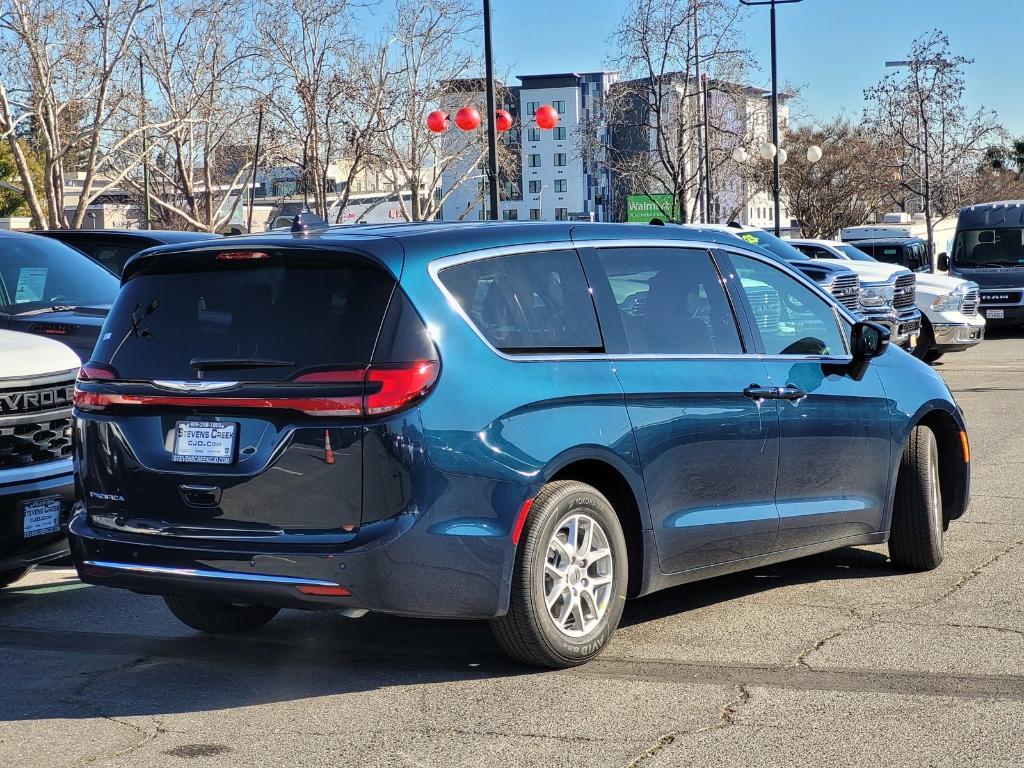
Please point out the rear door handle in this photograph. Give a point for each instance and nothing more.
(757, 392)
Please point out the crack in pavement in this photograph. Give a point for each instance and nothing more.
(974, 573)
(78, 694)
(726, 715)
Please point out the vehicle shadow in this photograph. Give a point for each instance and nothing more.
(849, 563)
(91, 652)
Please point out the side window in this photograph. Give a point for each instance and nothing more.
(670, 301)
(791, 318)
(531, 302)
(889, 253)
(868, 249)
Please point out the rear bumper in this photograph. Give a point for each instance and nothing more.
(410, 565)
(23, 484)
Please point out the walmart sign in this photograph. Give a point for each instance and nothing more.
(643, 208)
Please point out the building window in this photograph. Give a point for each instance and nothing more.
(561, 214)
(559, 159)
(535, 187)
(535, 214)
(533, 134)
(534, 161)
(511, 214)
(531, 107)
(559, 107)
(560, 133)
(561, 185)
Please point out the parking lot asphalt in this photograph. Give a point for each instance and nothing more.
(834, 660)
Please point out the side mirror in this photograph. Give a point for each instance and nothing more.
(868, 340)
(943, 263)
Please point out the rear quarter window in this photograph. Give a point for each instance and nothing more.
(531, 302)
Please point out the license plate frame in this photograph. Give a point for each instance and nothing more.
(205, 442)
(995, 314)
(41, 516)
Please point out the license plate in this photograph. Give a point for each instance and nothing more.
(995, 314)
(204, 442)
(42, 516)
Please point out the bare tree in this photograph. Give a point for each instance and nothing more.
(844, 188)
(430, 46)
(656, 113)
(932, 142)
(327, 94)
(202, 77)
(67, 75)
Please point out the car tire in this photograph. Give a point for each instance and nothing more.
(216, 617)
(552, 576)
(925, 341)
(917, 533)
(932, 356)
(9, 577)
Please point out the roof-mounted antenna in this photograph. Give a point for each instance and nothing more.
(306, 222)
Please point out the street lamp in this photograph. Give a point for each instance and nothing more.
(775, 104)
(769, 151)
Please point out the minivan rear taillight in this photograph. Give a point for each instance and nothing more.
(387, 389)
(400, 385)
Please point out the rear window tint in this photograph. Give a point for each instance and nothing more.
(528, 302)
(303, 316)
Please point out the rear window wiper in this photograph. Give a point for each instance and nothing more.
(227, 363)
(51, 308)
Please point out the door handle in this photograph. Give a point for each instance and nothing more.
(791, 393)
(757, 392)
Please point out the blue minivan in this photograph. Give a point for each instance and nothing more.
(522, 422)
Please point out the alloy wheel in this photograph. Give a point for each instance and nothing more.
(578, 570)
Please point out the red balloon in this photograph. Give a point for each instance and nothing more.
(437, 121)
(467, 118)
(546, 117)
(502, 120)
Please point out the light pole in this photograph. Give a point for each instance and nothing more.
(492, 132)
(775, 104)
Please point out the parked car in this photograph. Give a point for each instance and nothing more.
(113, 247)
(909, 252)
(948, 307)
(50, 289)
(37, 488)
(837, 279)
(525, 423)
(988, 249)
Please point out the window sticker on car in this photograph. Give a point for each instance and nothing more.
(750, 238)
(30, 284)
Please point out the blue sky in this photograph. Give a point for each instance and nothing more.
(833, 49)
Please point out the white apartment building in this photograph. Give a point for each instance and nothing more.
(553, 181)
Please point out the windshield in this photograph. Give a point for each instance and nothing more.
(1003, 247)
(776, 245)
(855, 254)
(36, 272)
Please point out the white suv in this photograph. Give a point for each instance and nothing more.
(949, 306)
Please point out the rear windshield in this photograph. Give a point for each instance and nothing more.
(241, 322)
(37, 273)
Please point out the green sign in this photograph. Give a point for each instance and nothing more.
(643, 208)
